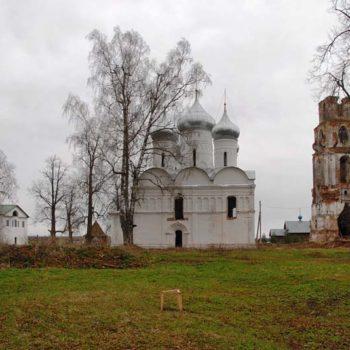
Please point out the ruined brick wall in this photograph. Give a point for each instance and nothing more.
(331, 168)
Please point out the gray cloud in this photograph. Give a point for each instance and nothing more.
(258, 50)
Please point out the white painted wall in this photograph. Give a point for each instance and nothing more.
(230, 146)
(205, 221)
(12, 230)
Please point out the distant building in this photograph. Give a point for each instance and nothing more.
(98, 235)
(195, 195)
(13, 225)
(331, 171)
(293, 231)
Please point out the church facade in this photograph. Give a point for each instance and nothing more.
(195, 195)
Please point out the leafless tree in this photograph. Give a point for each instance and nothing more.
(87, 140)
(49, 192)
(8, 183)
(133, 92)
(72, 209)
(330, 70)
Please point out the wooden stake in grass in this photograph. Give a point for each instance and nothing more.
(178, 294)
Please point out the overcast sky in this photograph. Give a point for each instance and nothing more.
(260, 51)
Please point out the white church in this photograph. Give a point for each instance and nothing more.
(195, 195)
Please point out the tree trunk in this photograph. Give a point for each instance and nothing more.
(53, 222)
(90, 209)
(127, 225)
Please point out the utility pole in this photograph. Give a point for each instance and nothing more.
(258, 231)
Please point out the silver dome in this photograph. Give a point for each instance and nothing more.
(225, 129)
(196, 117)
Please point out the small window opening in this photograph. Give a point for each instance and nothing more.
(225, 158)
(15, 213)
(163, 160)
(179, 208)
(231, 207)
(344, 169)
(343, 135)
(194, 155)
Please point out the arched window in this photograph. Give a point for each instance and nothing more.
(15, 213)
(163, 160)
(231, 207)
(322, 138)
(344, 169)
(179, 208)
(225, 158)
(343, 135)
(194, 156)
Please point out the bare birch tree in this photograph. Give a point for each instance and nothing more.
(133, 92)
(331, 63)
(8, 183)
(49, 193)
(87, 140)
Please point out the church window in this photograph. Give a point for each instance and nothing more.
(179, 208)
(225, 158)
(344, 169)
(322, 138)
(194, 156)
(163, 160)
(231, 207)
(343, 135)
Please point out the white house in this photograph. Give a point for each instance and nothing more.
(13, 225)
(195, 195)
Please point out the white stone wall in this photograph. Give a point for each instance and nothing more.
(205, 221)
(202, 142)
(11, 228)
(229, 146)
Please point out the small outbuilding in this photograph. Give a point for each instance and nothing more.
(13, 224)
(293, 231)
(98, 235)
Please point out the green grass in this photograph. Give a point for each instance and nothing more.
(278, 298)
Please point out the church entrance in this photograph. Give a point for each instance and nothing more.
(344, 221)
(178, 239)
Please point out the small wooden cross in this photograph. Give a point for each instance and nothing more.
(178, 294)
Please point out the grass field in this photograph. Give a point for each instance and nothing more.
(276, 298)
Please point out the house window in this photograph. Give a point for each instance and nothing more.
(343, 135)
(231, 207)
(194, 156)
(344, 169)
(15, 213)
(225, 158)
(7, 222)
(179, 208)
(163, 160)
(13, 223)
(23, 224)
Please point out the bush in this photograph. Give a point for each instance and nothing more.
(68, 256)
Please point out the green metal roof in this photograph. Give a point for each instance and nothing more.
(5, 208)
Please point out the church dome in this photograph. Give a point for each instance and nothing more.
(225, 129)
(196, 117)
(164, 130)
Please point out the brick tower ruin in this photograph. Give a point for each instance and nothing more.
(331, 171)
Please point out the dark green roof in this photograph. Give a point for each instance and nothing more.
(5, 208)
